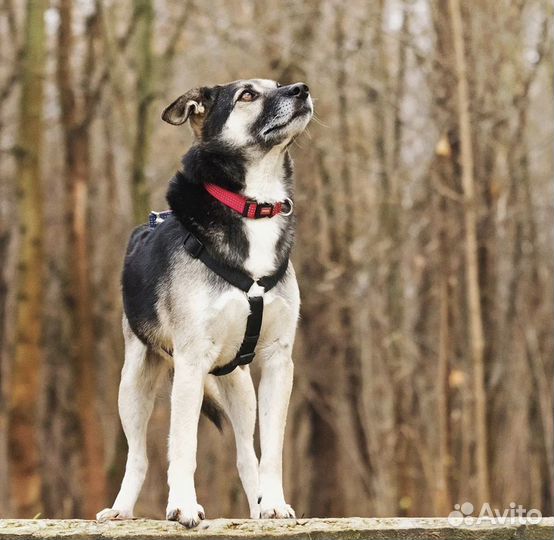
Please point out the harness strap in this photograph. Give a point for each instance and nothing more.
(246, 352)
(237, 278)
(244, 282)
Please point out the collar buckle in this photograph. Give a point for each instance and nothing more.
(256, 210)
(248, 203)
(264, 210)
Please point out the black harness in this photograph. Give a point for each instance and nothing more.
(243, 281)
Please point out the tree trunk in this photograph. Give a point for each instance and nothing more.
(6, 275)
(25, 467)
(443, 503)
(473, 293)
(141, 191)
(77, 167)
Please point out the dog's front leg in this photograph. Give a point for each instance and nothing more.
(274, 394)
(186, 402)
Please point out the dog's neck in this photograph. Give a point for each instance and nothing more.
(264, 177)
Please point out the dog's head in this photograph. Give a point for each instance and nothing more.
(245, 113)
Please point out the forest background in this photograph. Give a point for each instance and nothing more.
(424, 357)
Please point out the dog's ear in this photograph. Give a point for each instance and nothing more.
(191, 105)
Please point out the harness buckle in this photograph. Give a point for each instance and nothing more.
(193, 246)
(155, 218)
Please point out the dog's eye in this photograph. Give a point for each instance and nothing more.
(247, 95)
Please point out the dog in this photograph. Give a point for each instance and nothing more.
(181, 312)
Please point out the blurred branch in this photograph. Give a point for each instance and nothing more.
(114, 48)
(445, 191)
(12, 22)
(171, 46)
(92, 94)
(544, 45)
(125, 38)
(10, 83)
(100, 22)
(169, 51)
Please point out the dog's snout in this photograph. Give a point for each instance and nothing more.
(299, 90)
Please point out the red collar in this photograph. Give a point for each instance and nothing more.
(247, 207)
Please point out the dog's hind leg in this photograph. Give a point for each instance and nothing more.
(238, 399)
(140, 379)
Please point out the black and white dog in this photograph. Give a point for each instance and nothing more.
(233, 197)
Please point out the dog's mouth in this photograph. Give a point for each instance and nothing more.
(276, 128)
(300, 112)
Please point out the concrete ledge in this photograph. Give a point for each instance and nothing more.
(312, 529)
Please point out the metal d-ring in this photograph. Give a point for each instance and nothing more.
(291, 207)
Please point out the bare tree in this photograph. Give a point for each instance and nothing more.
(144, 57)
(477, 343)
(75, 122)
(25, 474)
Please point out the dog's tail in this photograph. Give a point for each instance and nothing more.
(211, 405)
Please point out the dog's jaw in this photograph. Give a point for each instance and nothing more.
(288, 122)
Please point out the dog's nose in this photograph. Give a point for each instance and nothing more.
(299, 90)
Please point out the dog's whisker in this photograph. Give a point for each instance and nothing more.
(319, 121)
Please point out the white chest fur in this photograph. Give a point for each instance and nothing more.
(264, 183)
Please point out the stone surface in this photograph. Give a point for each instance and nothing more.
(312, 529)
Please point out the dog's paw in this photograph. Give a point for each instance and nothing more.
(189, 517)
(276, 511)
(109, 514)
